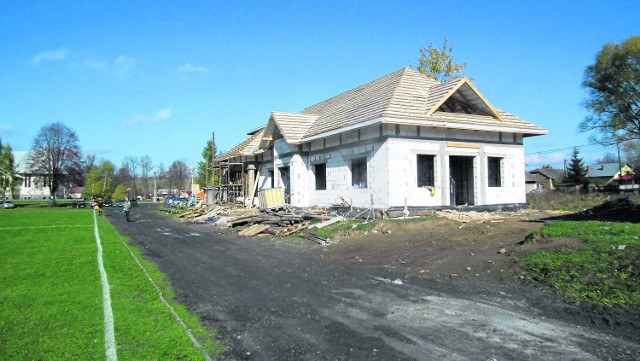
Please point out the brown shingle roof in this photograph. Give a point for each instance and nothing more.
(400, 97)
(248, 147)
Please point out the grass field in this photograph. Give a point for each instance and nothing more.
(603, 269)
(51, 304)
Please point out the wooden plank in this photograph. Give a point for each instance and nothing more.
(253, 230)
(328, 222)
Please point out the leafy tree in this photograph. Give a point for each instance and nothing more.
(92, 183)
(204, 169)
(613, 83)
(576, 172)
(438, 63)
(56, 154)
(8, 178)
(119, 193)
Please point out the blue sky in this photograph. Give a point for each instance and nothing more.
(137, 78)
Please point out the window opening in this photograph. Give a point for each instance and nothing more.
(426, 172)
(321, 176)
(359, 173)
(494, 171)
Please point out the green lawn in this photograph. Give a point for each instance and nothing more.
(604, 269)
(51, 295)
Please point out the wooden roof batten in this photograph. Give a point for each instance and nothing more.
(456, 89)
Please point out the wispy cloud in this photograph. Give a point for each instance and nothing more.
(161, 116)
(119, 66)
(190, 68)
(51, 55)
(6, 128)
(122, 65)
(536, 160)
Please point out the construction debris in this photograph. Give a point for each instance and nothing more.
(281, 221)
(471, 216)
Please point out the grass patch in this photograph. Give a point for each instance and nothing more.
(343, 227)
(596, 271)
(51, 296)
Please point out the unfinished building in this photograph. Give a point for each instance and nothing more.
(403, 140)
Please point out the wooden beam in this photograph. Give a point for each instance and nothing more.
(463, 145)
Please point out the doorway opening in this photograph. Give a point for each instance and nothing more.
(284, 176)
(461, 180)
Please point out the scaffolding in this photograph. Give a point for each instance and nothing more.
(229, 181)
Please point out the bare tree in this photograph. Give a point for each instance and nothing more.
(131, 163)
(89, 162)
(56, 154)
(177, 174)
(146, 165)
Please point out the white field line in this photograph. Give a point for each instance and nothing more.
(195, 342)
(109, 335)
(36, 227)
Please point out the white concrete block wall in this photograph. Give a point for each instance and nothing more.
(512, 189)
(392, 168)
(338, 177)
(403, 173)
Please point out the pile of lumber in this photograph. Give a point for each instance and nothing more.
(280, 222)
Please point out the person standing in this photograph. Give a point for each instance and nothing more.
(126, 207)
(100, 206)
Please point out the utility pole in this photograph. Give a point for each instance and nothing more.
(213, 157)
(155, 198)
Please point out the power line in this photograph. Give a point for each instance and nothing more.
(572, 147)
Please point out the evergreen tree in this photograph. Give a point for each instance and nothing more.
(576, 173)
(204, 166)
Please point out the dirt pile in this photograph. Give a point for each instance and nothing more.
(619, 209)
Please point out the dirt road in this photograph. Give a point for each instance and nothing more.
(277, 300)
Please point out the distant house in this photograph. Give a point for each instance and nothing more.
(32, 185)
(529, 182)
(76, 192)
(544, 177)
(610, 176)
(401, 140)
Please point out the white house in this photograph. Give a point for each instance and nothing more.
(401, 140)
(32, 185)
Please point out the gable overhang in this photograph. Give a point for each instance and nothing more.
(341, 130)
(468, 91)
(462, 126)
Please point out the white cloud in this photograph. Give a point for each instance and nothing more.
(122, 65)
(189, 68)
(536, 160)
(119, 66)
(6, 128)
(52, 55)
(94, 64)
(161, 116)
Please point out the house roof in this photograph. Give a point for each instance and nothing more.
(529, 177)
(248, 147)
(602, 170)
(402, 97)
(550, 173)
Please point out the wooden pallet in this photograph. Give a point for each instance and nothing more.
(292, 229)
